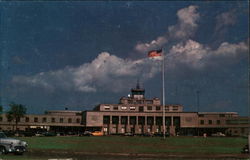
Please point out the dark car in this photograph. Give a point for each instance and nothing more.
(49, 134)
(148, 134)
(160, 134)
(128, 134)
(86, 133)
(245, 149)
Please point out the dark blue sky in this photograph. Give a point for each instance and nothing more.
(79, 54)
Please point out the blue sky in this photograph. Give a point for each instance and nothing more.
(79, 54)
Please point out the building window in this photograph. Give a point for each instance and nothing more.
(158, 108)
(105, 129)
(218, 122)
(175, 109)
(77, 120)
(201, 121)
(201, 115)
(138, 102)
(149, 102)
(9, 119)
(123, 108)
(69, 120)
(242, 130)
(159, 121)
(166, 108)
(222, 115)
(61, 120)
(106, 119)
(124, 119)
(141, 120)
(141, 108)
(132, 120)
(115, 119)
(27, 119)
(115, 108)
(149, 108)
(44, 119)
(106, 107)
(53, 120)
(210, 122)
(150, 120)
(132, 108)
(35, 119)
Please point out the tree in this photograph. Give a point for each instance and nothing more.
(1, 109)
(16, 112)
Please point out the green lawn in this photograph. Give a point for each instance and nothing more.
(117, 144)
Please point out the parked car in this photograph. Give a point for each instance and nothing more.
(128, 134)
(245, 149)
(86, 133)
(49, 134)
(160, 134)
(218, 134)
(148, 134)
(97, 133)
(25, 134)
(11, 145)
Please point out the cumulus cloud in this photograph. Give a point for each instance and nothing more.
(197, 56)
(225, 19)
(105, 72)
(187, 23)
(144, 47)
(109, 72)
(185, 27)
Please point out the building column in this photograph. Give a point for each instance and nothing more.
(128, 126)
(136, 125)
(172, 121)
(119, 126)
(110, 125)
(145, 129)
(172, 127)
(154, 124)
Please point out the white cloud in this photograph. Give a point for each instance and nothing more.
(225, 19)
(109, 72)
(187, 24)
(197, 56)
(106, 72)
(145, 47)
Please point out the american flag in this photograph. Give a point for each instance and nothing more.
(155, 53)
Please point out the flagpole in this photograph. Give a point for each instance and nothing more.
(163, 95)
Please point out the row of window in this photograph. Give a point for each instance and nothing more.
(220, 115)
(141, 108)
(140, 102)
(141, 120)
(45, 119)
(132, 108)
(218, 122)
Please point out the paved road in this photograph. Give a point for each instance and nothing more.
(128, 156)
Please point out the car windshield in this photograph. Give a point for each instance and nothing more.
(2, 135)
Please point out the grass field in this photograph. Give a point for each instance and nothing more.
(135, 145)
(116, 144)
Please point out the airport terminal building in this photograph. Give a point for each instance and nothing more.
(133, 114)
(138, 115)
